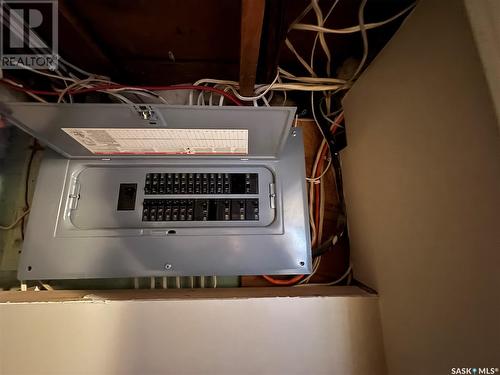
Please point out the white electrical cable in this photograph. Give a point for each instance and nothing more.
(314, 230)
(206, 81)
(88, 83)
(80, 70)
(316, 80)
(177, 282)
(330, 11)
(324, 115)
(321, 211)
(257, 97)
(301, 16)
(46, 286)
(65, 84)
(346, 274)
(315, 180)
(321, 36)
(311, 217)
(43, 73)
(271, 96)
(118, 96)
(316, 264)
(317, 230)
(200, 97)
(364, 36)
(139, 91)
(16, 222)
(299, 87)
(215, 81)
(308, 87)
(69, 87)
(316, 120)
(221, 100)
(214, 281)
(277, 85)
(325, 48)
(34, 96)
(352, 29)
(323, 173)
(284, 94)
(300, 58)
(310, 68)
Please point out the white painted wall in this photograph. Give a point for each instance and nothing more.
(422, 184)
(315, 335)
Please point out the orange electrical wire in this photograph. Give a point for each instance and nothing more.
(319, 171)
(291, 281)
(333, 129)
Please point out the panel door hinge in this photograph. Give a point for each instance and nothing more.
(73, 194)
(272, 195)
(149, 114)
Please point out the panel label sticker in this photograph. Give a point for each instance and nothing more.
(106, 141)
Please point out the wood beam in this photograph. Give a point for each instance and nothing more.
(252, 16)
(274, 32)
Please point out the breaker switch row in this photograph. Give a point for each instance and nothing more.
(200, 209)
(201, 183)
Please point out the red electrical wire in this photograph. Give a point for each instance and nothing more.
(118, 86)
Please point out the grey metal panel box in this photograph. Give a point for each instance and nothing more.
(92, 240)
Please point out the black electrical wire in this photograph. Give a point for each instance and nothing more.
(338, 181)
(329, 244)
(334, 147)
(34, 148)
(323, 248)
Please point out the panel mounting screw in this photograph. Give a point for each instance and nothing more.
(294, 133)
(302, 263)
(168, 266)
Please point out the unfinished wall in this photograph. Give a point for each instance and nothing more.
(422, 182)
(317, 335)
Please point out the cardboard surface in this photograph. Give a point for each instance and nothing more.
(291, 335)
(183, 293)
(422, 183)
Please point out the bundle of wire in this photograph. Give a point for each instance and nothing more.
(317, 189)
(210, 91)
(93, 84)
(316, 193)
